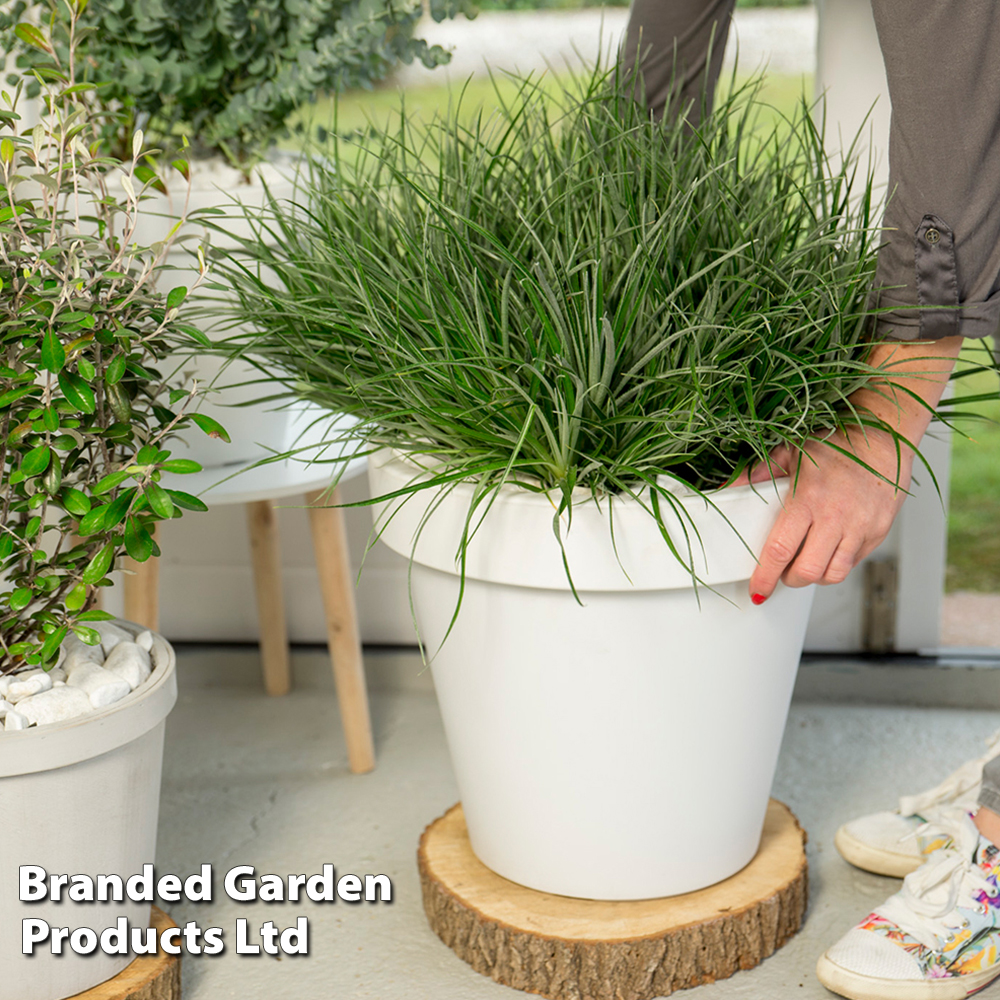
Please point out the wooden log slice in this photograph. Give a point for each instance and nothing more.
(583, 949)
(149, 977)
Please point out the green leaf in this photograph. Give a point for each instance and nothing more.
(88, 635)
(210, 426)
(77, 391)
(93, 522)
(13, 395)
(187, 501)
(98, 567)
(181, 466)
(119, 402)
(75, 502)
(196, 335)
(114, 372)
(53, 352)
(176, 296)
(138, 541)
(51, 645)
(30, 35)
(8, 213)
(146, 455)
(76, 598)
(95, 616)
(86, 368)
(50, 418)
(110, 481)
(6, 545)
(36, 461)
(118, 509)
(159, 500)
(21, 598)
(31, 529)
(52, 477)
(6, 150)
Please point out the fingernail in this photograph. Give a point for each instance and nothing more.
(758, 598)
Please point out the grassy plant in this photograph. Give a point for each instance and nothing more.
(568, 293)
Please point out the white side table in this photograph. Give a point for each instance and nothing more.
(258, 488)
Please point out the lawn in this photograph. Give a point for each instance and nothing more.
(973, 528)
(974, 516)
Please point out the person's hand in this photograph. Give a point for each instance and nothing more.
(836, 513)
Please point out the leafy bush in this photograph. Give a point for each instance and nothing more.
(578, 297)
(228, 74)
(84, 412)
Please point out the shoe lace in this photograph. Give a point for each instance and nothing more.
(958, 784)
(927, 906)
(939, 821)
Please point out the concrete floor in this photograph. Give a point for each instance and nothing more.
(250, 780)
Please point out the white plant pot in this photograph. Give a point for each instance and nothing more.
(255, 429)
(80, 797)
(623, 749)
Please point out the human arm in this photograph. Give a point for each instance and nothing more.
(839, 512)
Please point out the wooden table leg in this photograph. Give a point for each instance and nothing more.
(266, 557)
(141, 586)
(337, 589)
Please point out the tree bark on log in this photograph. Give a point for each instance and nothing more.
(581, 949)
(149, 977)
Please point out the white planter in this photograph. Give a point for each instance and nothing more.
(624, 749)
(80, 797)
(255, 429)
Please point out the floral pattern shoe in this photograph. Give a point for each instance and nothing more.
(897, 843)
(938, 938)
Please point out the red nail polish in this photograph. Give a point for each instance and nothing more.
(758, 598)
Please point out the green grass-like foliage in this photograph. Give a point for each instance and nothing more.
(570, 294)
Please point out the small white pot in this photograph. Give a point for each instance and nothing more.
(623, 749)
(80, 797)
(255, 429)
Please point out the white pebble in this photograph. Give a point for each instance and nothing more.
(57, 674)
(102, 686)
(34, 684)
(56, 684)
(4, 684)
(56, 705)
(145, 639)
(5, 707)
(129, 661)
(77, 652)
(111, 635)
(14, 720)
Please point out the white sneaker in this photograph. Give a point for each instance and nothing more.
(897, 843)
(938, 938)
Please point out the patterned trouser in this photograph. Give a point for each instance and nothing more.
(942, 60)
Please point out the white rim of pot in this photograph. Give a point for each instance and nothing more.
(515, 543)
(43, 748)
